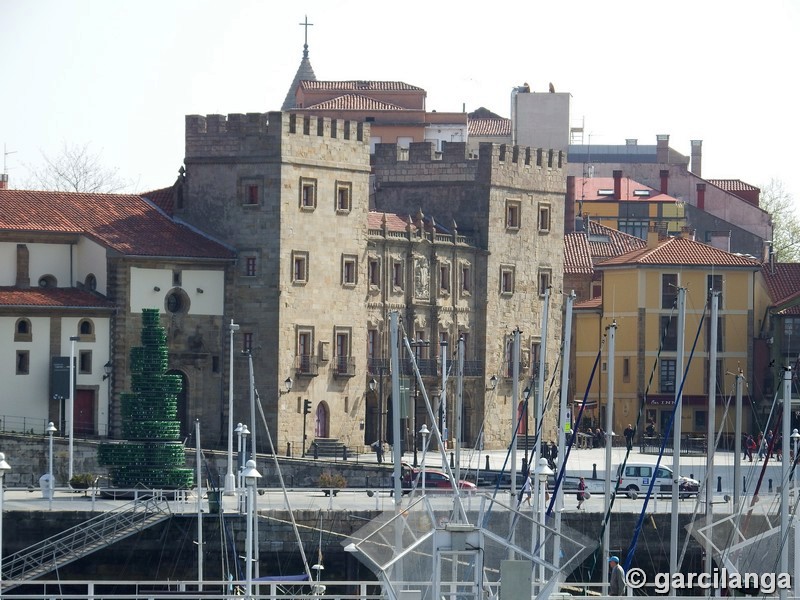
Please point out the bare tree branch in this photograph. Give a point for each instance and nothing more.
(76, 169)
(785, 222)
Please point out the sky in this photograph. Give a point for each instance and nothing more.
(120, 75)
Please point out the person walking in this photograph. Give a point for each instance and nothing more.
(377, 445)
(616, 577)
(527, 489)
(629, 433)
(581, 492)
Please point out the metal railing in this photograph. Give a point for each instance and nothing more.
(82, 540)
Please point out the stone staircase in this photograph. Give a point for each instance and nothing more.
(326, 448)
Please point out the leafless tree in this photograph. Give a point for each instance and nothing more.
(779, 203)
(76, 169)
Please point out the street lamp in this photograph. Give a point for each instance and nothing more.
(424, 432)
(4, 468)
(543, 471)
(51, 429)
(416, 345)
(239, 463)
(492, 383)
(251, 477)
(795, 438)
(71, 403)
(230, 480)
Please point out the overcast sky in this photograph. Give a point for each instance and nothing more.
(122, 75)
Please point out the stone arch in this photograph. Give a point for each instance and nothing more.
(322, 420)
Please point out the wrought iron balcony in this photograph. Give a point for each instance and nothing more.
(344, 366)
(306, 365)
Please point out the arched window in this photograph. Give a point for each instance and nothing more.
(90, 282)
(86, 330)
(23, 331)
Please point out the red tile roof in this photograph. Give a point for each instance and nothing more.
(588, 189)
(386, 86)
(733, 185)
(577, 258)
(354, 102)
(394, 222)
(125, 223)
(589, 304)
(582, 251)
(52, 298)
(490, 127)
(783, 283)
(163, 199)
(681, 251)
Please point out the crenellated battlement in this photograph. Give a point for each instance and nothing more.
(256, 133)
(496, 155)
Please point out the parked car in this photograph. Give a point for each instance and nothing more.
(637, 477)
(434, 479)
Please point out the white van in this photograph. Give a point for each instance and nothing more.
(637, 477)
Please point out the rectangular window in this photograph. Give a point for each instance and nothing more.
(513, 210)
(466, 279)
(308, 193)
(507, 280)
(215, 364)
(544, 218)
(667, 375)
(536, 353)
(85, 362)
(397, 274)
(247, 341)
(791, 336)
(305, 351)
(669, 333)
(344, 366)
(23, 362)
(250, 266)
(305, 340)
(700, 420)
(597, 290)
(252, 194)
(669, 290)
(714, 283)
(344, 193)
(373, 345)
(444, 278)
(545, 278)
(299, 267)
(349, 263)
(720, 335)
(633, 227)
(374, 272)
(626, 369)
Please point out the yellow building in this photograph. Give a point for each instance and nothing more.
(638, 293)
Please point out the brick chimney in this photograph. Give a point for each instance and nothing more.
(664, 173)
(618, 185)
(3, 181)
(569, 207)
(662, 148)
(687, 232)
(701, 196)
(697, 157)
(653, 235)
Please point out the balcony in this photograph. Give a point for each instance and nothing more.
(473, 368)
(306, 365)
(428, 367)
(344, 366)
(376, 366)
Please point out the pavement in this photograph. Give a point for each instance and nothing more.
(589, 463)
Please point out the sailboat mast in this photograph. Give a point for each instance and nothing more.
(540, 391)
(612, 340)
(397, 452)
(514, 409)
(459, 405)
(786, 465)
(562, 421)
(711, 423)
(737, 442)
(199, 492)
(676, 435)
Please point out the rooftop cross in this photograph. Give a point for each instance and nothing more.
(306, 24)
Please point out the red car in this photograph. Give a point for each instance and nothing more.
(434, 479)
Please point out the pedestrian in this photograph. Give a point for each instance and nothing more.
(553, 455)
(750, 445)
(616, 577)
(762, 445)
(527, 488)
(629, 433)
(581, 492)
(378, 447)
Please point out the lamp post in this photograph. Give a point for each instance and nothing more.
(543, 471)
(424, 432)
(239, 463)
(230, 480)
(251, 477)
(416, 345)
(51, 429)
(4, 468)
(71, 400)
(526, 393)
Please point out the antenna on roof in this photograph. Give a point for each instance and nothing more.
(5, 158)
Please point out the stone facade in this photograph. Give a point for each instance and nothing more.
(509, 202)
